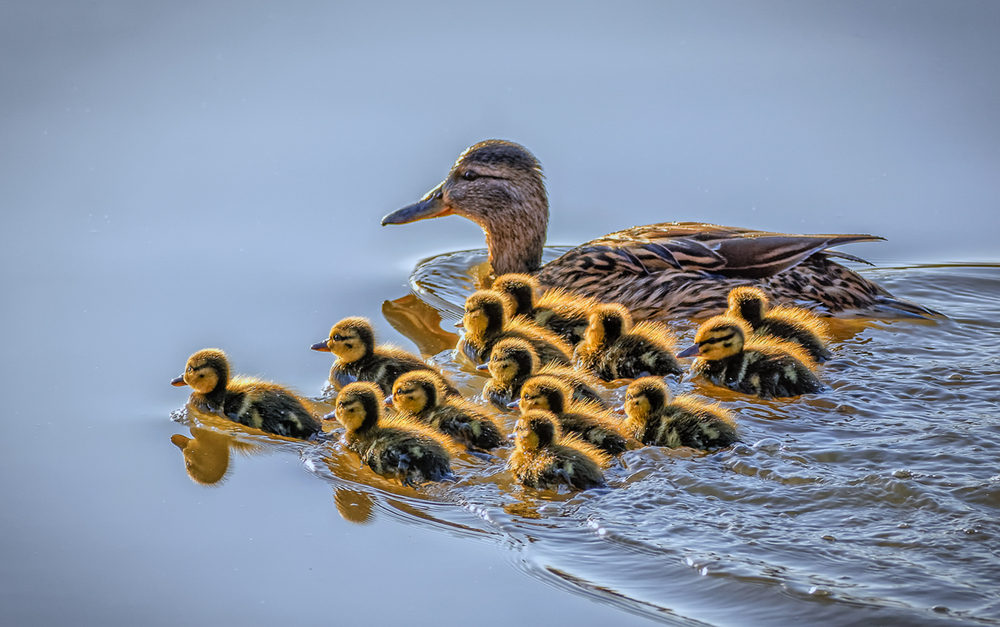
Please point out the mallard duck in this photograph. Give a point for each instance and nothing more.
(419, 396)
(729, 356)
(545, 459)
(513, 361)
(785, 323)
(593, 424)
(557, 310)
(487, 321)
(259, 404)
(352, 340)
(683, 421)
(391, 446)
(615, 349)
(665, 271)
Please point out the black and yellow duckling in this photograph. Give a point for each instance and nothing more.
(664, 271)
(784, 323)
(352, 340)
(513, 361)
(729, 356)
(567, 315)
(259, 404)
(419, 396)
(594, 425)
(545, 459)
(487, 321)
(393, 447)
(655, 419)
(615, 349)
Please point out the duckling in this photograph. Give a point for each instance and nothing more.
(352, 340)
(663, 271)
(259, 404)
(730, 357)
(557, 310)
(513, 361)
(392, 447)
(594, 425)
(784, 323)
(419, 396)
(487, 321)
(614, 349)
(545, 459)
(684, 421)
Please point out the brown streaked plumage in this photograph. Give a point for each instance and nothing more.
(784, 323)
(249, 401)
(729, 356)
(545, 459)
(664, 271)
(420, 396)
(615, 349)
(655, 419)
(487, 321)
(352, 340)
(557, 310)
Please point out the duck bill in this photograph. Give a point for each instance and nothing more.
(430, 206)
(690, 351)
(178, 382)
(321, 346)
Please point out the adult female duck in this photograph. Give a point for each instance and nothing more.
(665, 271)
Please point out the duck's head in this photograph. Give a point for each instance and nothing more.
(521, 289)
(536, 428)
(498, 185)
(718, 338)
(415, 391)
(359, 406)
(511, 358)
(544, 392)
(749, 303)
(206, 371)
(645, 396)
(486, 311)
(607, 323)
(350, 340)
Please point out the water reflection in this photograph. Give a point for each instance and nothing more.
(354, 506)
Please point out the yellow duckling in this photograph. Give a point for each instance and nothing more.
(664, 271)
(419, 396)
(487, 321)
(513, 361)
(391, 446)
(565, 314)
(730, 357)
(259, 404)
(594, 425)
(614, 349)
(352, 340)
(545, 459)
(683, 421)
(784, 323)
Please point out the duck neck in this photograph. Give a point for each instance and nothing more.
(516, 236)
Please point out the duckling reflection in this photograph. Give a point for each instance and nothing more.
(487, 320)
(354, 506)
(657, 420)
(206, 453)
(784, 323)
(545, 459)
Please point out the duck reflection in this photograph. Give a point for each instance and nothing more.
(354, 506)
(206, 453)
(419, 322)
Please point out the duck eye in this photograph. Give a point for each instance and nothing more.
(470, 175)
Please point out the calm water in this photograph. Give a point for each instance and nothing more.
(191, 175)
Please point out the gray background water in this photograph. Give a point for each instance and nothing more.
(205, 174)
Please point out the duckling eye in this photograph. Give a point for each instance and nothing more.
(470, 175)
(338, 338)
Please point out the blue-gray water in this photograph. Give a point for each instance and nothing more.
(200, 175)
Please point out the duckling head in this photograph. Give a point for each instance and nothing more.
(521, 288)
(498, 185)
(718, 338)
(749, 303)
(645, 396)
(486, 311)
(512, 358)
(535, 429)
(544, 392)
(608, 323)
(359, 406)
(350, 340)
(206, 371)
(415, 391)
